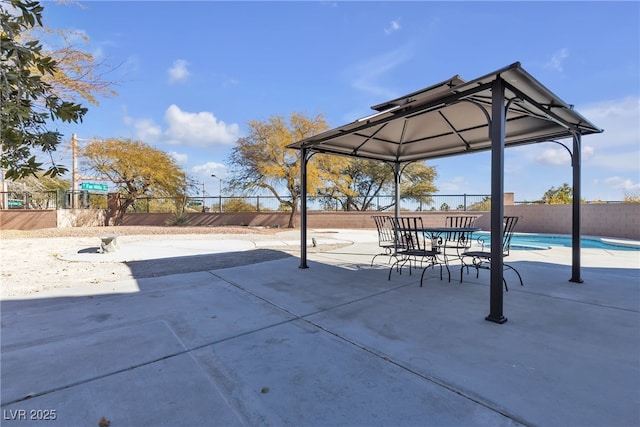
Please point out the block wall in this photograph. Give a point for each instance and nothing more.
(610, 220)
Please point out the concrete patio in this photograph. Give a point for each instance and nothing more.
(337, 344)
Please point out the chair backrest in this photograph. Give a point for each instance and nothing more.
(509, 227)
(460, 221)
(386, 233)
(410, 235)
(458, 239)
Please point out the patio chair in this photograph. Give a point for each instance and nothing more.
(413, 247)
(386, 236)
(482, 258)
(454, 243)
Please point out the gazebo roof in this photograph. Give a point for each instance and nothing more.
(451, 118)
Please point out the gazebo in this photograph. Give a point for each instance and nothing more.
(505, 108)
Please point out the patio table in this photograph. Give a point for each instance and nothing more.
(449, 238)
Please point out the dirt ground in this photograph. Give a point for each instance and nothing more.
(30, 260)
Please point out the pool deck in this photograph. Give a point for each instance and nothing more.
(337, 344)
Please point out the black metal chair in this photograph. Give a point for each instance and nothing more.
(482, 258)
(386, 236)
(413, 248)
(454, 243)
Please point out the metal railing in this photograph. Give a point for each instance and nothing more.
(383, 203)
(53, 199)
(227, 204)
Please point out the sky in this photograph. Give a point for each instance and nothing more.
(191, 75)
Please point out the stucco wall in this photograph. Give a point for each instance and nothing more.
(81, 218)
(27, 219)
(611, 220)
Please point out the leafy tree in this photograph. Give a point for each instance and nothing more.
(261, 161)
(357, 183)
(631, 198)
(484, 205)
(417, 182)
(39, 183)
(44, 192)
(137, 169)
(238, 205)
(28, 103)
(78, 74)
(559, 196)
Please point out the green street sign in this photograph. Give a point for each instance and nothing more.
(94, 186)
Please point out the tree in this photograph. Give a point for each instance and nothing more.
(40, 183)
(137, 169)
(28, 103)
(484, 205)
(261, 160)
(630, 197)
(357, 183)
(417, 182)
(78, 75)
(560, 196)
(44, 192)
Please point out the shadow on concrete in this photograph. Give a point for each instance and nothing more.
(193, 263)
(91, 250)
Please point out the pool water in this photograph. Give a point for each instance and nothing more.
(527, 241)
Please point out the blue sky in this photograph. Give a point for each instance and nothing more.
(192, 74)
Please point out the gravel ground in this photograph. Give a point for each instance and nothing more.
(30, 260)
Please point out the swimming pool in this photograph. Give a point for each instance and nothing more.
(527, 241)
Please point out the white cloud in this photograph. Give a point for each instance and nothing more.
(144, 129)
(230, 82)
(620, 120)
(184, 129)
(393, 27)
(180, 158)
(615, 161)
(214, 184)
(365, 75)
(618, 147)
(587, 152)
(453, 185)
(555, 63)
(624, 184)
(178, 72)
(554, 157)
(210, 168)
(130, 66)
(201, 129)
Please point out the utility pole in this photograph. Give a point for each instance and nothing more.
(4, 202)
(74, 171)
(203, 194)
(219, 194)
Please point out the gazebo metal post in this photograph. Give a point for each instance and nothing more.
(396, 188)
(497, 131)
(303, 208)
(575, 238)
(396, 176)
